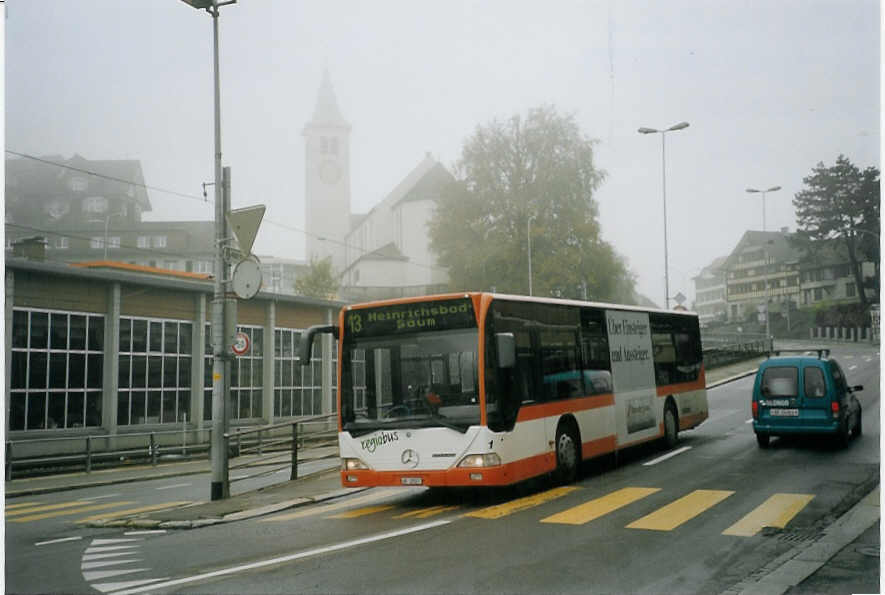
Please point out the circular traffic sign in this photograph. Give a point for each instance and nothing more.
(241, 344)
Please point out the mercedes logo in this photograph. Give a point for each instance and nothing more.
(410, 458)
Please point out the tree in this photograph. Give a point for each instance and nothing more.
(840, 204)
(319, 281)
(539, 168)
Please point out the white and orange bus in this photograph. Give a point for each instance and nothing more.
(480, 389)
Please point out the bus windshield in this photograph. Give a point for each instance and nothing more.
(414, 380)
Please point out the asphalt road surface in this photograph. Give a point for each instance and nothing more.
(698, 519)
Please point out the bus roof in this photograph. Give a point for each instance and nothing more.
(516, 298)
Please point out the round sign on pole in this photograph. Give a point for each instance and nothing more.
(241, 344)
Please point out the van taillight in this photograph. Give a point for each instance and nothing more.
(755, 409)
(835, 407)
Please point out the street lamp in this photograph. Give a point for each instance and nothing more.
(529, 235)
(663, 134)
(767, 259)
(763, 192)
(220, 485)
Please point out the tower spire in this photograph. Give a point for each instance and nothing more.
(327, 112)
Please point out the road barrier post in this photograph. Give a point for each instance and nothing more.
(88, 454)
(260, 443)
(294, 473)
(153, 449)
(8, 460)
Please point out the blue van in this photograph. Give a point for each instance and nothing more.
(804, 394)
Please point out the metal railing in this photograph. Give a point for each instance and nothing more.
(287, 446)
(724, 349)
(90, 451)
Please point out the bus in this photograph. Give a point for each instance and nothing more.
(483, 389)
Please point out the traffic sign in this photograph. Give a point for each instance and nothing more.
(240, 345)
(244, 224)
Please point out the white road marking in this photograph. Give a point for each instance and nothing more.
(749, 421)
(281, 559)
(111, 548)
(108, 587)
(103, 563)
(100, 574)
(109, 541)
(852, 367)
(177, 485)
(97, 498)
(38, 544)
(147, 532)
(87, 557)
(669, 455)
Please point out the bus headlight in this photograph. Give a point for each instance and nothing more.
(352, 465)
(487, 460)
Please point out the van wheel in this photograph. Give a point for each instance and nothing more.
(762, 439)
(844, 435)
(858, 427)
(567, 456)
(671, 427)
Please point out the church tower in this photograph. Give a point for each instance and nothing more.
(327, 178)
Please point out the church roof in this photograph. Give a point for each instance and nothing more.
(327, 112)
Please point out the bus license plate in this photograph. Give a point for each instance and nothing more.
(784, 412)
(411, 481)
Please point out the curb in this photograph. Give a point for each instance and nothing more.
(142, 523)
(796, 565)
(731, 378)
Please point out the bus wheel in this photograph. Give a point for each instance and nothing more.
(671, 427)
(566, 455)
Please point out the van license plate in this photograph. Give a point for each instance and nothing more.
(784, 412)
(411, 481)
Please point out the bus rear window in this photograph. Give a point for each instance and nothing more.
(780, 381)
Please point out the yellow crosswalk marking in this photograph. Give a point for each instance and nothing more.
(19, 505)
(119, 513)
(777, 511)
(423, 513)
(508, 508)
(352, 514)
(45, 507)
(598, 507)
(435, 511)
(65, 512)
(310, 511)
(679, 511)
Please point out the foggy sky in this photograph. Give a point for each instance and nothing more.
(769, 87)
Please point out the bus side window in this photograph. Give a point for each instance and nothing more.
(559, 365)
(595, 355)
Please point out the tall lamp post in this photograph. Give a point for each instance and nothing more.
(663, 134)
(763, 193)
(220, 487)
(529, 236)
(767, 259)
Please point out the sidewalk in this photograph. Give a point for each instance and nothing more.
(847, 536)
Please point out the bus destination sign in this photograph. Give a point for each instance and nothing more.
(440, 315)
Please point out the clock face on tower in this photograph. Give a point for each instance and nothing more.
(330, 172)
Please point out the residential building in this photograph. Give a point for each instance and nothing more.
(764, 264)
(710, 287)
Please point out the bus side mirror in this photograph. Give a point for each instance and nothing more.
(306, 345)
(506, 345)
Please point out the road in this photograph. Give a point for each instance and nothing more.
(648, 522)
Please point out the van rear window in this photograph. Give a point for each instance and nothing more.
(780, 381)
